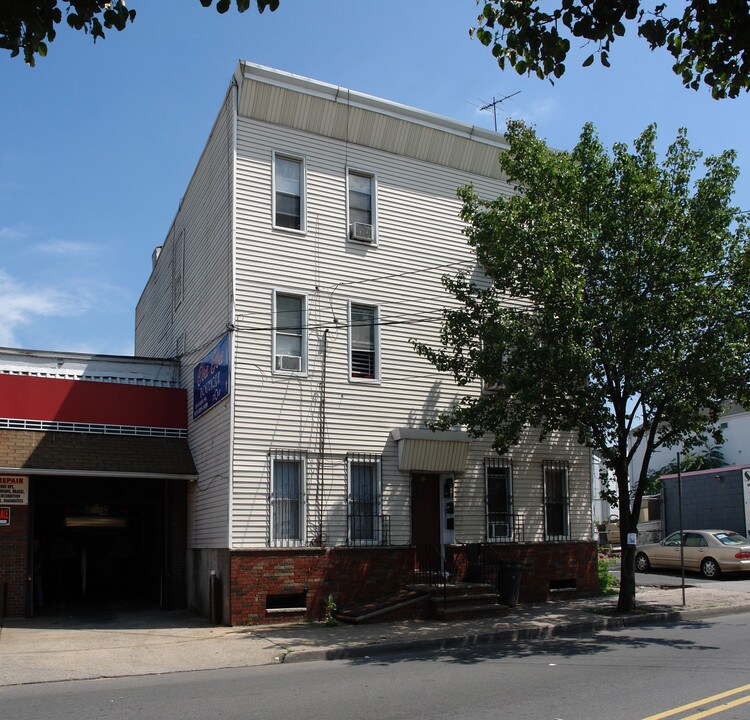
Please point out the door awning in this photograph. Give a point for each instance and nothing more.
(428, 451)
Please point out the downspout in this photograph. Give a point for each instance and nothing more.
(232, 157)
(322, 439)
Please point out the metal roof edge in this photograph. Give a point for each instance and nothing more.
(707, 471)
(68, 472)
(298, 83)
(426, 434)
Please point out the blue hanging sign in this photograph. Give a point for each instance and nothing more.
(211, 378)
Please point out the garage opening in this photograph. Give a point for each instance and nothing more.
(101, 543)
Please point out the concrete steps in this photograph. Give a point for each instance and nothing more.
(464, 601)
(405, 604)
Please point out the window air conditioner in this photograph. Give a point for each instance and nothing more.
(288, 362)
(362, 231)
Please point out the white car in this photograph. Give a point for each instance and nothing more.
(709, 552)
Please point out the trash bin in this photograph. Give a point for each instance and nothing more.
(509, 583)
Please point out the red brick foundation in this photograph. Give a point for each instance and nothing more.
(355, 574)
(14, 544)
(349, 574)
(549, 570)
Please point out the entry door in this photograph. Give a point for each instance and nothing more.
(425, 509)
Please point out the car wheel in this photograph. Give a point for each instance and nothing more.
(642, 563)
(710, 568)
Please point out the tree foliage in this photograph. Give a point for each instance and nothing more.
(706, 458)
(27, 26)
(709, 40)
(633, 318)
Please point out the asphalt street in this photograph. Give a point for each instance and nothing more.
(736, 582)
(627, 674)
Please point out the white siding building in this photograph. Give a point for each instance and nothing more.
(735, 427)
(313, 235)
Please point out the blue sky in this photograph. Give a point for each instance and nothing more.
(98, 141)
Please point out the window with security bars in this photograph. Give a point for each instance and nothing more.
(365, 520)
(499, 498)
(287, 499)
(363, 342)
(556, 506)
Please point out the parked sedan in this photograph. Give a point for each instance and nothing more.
(709, 552)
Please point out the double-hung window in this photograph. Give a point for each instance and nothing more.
(365, 521)
(289, 192)
(289, 334)
(364, 361)
(361, 206)
(556, 507)
(498, 480)
(287, 499)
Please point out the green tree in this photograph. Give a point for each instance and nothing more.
(27, 26)
(709, 40)
(635, 304)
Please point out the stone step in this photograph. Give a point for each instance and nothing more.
(467, 612)
(472, 598)
(379, 608)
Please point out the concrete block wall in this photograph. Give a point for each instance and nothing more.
(709, 500)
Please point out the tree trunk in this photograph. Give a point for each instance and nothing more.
(626, 600)
(628, 524)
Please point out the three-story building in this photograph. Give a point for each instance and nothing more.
(304, 260)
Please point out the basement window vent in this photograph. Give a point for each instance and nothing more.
(563, 585)
(290, 602)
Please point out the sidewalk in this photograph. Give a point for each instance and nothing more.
(47, 650)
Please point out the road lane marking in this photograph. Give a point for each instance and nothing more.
(718, 708)
(698, 703)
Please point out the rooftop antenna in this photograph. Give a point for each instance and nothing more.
(495, 103)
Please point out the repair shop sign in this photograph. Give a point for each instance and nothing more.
(4, 516)
(14, 490)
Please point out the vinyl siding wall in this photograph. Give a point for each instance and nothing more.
(191, 327)
(418, 239)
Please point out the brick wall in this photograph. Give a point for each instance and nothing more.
(355, 574)
(14, 543)
(349, 574)
(549, 569)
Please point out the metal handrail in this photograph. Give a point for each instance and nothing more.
(431, 565)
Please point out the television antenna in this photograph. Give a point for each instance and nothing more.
(493, 105)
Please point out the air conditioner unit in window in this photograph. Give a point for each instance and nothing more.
(362, 231)
(288, 362)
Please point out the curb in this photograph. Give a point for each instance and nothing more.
(510, 635)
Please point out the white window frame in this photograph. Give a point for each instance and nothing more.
(564, 468)
(288, 457)
(274, 322)
(377, 501)
(303, 192)
(376, 340)
(373, 209)
(507, 465)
